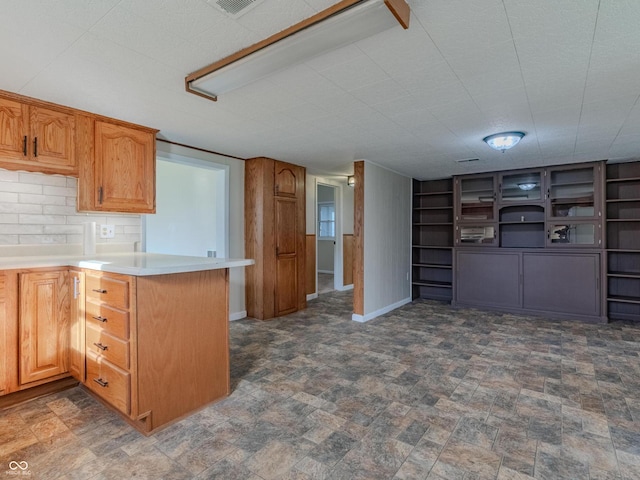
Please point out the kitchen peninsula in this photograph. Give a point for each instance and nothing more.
(146, 333)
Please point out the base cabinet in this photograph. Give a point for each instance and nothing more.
(562, 283)
(550, 283)
(488, 279)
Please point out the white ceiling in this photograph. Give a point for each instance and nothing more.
(566, 72)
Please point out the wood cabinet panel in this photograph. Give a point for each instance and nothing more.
(124, 168)
(44, 325)
(274, 230)
(111, 348)
(286, 285)
(52, 134)
(4, 330)
(108, 289)
(77, 325)
(491, 279)
(36, 136)
(14, 118)
(112, 320)
(109, 382)
(562, 283)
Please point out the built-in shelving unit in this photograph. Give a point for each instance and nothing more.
(623, 240)
(432, 239)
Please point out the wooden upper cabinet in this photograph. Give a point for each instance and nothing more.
(121, 175)
(37, 138)
(44, 325)
(285, 180)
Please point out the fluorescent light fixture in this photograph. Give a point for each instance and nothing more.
(503, 141)
(342, 24)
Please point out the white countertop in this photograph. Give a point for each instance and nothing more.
(138, 264)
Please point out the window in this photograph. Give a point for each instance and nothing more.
(327, 220)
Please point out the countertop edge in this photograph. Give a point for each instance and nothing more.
(136, 264)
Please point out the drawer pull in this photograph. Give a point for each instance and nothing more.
(100, 319)
(101, 382)
(100, 346)
(99, 290)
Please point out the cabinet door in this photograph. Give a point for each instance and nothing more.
(475, 198)
(124, 173)
(523, 186)
(573, 192)
(568, 283)
(44, 325)
(285, 180)
(286, 231)
(77, 326)
(13, 132)
(490, 279)
(53, 140)
(3, 337)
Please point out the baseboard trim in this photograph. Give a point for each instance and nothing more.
(370, 316)
(326, 271)
(237, 315)
(311, 296)
(346, 287)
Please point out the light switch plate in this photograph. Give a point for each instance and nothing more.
(107, 231)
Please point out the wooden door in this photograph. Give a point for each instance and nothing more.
(13, 132)
(77, 325)
(44, 324)
(286, 233)
(124, 168)
(53, 140)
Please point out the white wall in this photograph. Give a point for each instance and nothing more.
(192, 222)
(237, 306)
(38, 213)
(387, 240)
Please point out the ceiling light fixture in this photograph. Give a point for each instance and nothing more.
(503, 141)
(527, 186)
(341, 24)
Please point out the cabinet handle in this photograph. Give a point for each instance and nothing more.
(99, 290)
(35, 147)
(100, 195)
(101, 382)
(101, 346)
(76, 282)
(100, 319)
(24, 145)
(548, 234)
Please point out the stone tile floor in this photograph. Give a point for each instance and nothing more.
(425, 392)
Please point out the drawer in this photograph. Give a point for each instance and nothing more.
(111, 348)
(109, 382)
(111, 290)
(112, 320)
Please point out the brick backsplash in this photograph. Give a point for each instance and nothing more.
(38, 209)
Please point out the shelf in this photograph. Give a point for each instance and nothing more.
(572, 201)
(432, 265)
(424, 194)
(623, 250)
(623, 275)
(621, 180)
(428, 283)
(621, 299)
(623, 200)
(571, 184)
(526, 222)
(629, 220)
(432, 224)
(444, 247)
(434, 208)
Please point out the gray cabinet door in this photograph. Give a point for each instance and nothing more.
(487, 278)
(567, 283)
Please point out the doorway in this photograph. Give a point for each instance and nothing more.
(327, 232)
(191, 209)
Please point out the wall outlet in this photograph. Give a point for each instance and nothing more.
(107, 231)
